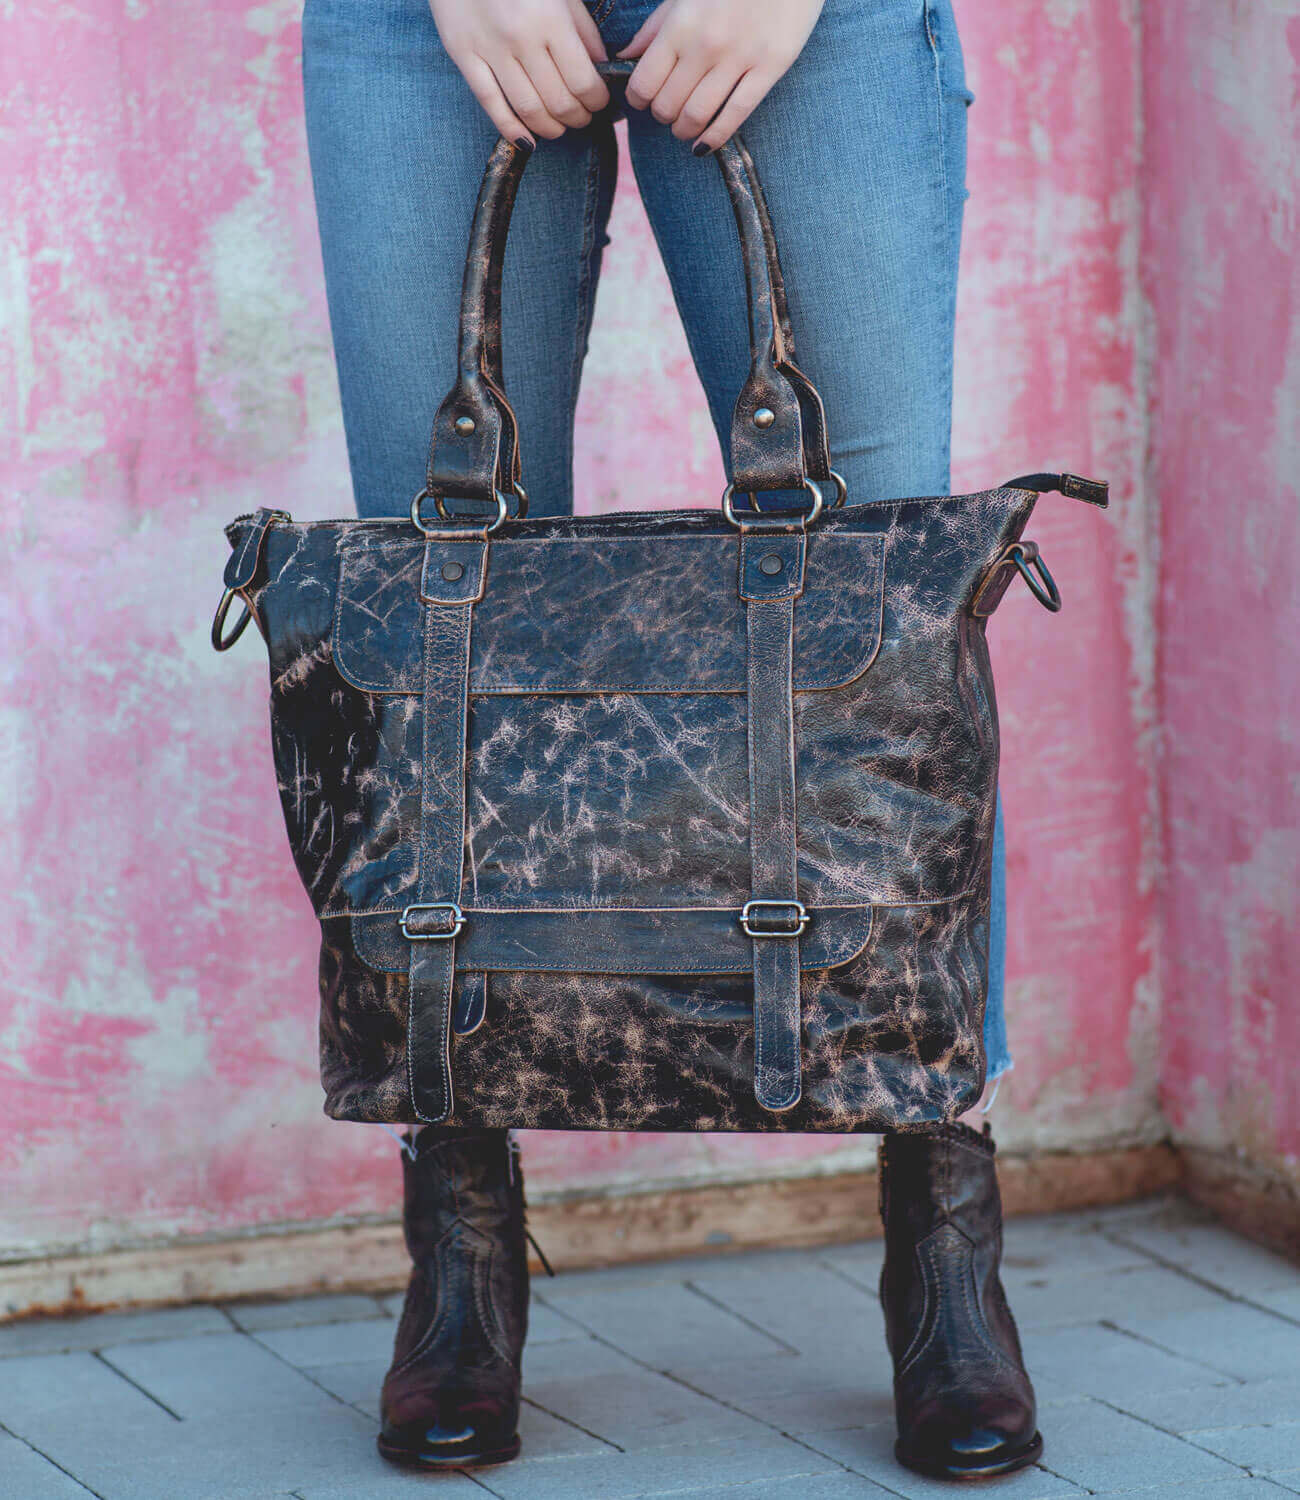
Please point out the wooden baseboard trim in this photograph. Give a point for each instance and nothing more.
(582, 1230)
(1248, 1198)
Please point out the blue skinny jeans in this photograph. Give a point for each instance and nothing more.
(861, 148)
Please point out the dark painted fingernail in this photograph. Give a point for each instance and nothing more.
(523, 143)
(700, 149)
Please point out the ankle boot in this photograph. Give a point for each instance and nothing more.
(451, 1398)
(962, 1398)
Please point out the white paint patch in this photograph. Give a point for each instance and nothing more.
(175, 1050)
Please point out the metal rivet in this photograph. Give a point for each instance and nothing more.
(465, 425)
(764, 417)
(771, 564)
(452, 571)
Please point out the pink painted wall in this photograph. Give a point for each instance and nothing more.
(165, 360)
(1222, 276)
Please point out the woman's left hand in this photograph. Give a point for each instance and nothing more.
(705, 64)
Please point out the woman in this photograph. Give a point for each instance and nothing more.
(854, 111)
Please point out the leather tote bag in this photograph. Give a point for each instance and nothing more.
(667, 821)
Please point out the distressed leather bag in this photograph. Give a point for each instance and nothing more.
(669, 821)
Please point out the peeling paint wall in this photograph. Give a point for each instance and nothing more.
(165, 364)
(1223, 278)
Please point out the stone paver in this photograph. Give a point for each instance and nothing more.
(1214, 1254)
(1272, 1448)
(657, 1471)
(1229, 1404)
(97, 1331)
(1100, 1448)
(331, 1343)
(1107, 1363)
(870, 1451)
(195, 1377)
(299, 1312)
(1166, 1353)
(1060, 1302)
(1228, 1489)
(1234, 1337)
(654, 1323)
(26, 1475)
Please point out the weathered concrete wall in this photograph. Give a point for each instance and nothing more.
(166, 364)
(1223, 278)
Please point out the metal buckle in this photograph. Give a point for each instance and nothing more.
(806, 517)
(417, 518)
(457, 921)
(794, 923)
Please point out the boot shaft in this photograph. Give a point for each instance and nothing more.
(943, 1175)
(942, 1214)
(471, 1176)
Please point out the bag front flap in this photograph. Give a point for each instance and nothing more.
(613, 940)
(606, 614)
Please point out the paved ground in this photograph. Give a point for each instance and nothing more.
(1166, 1353)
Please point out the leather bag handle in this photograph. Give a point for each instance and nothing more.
(474, 450)
(816, 443)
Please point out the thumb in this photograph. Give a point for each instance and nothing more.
(649, 30)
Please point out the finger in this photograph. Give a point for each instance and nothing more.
(649, 30)
(706, 99)
(588, 32)
(578, 71)
(524, 99)
(556, 94)
(745, 98)
(488, 93)
(650, 74)
(677, 88)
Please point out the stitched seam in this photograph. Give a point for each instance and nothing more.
(910, 1357)
(359, 524)
(603, 689)
(970, 1296)
(871, 645)
(440, 1309)
(827, 906)
(448, 956)
(491, 1325)
(933, 42)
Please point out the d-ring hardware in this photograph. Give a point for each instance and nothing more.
(841, 489)
(787, 919)
(222, 642)
(450, 908)
(1047, 593)
(813, 489)
(417, 519)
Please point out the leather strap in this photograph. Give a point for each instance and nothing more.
(454, 576)
(608, 940)
(771, 579)
(1075, 486)
(816, 443)
(476, 460)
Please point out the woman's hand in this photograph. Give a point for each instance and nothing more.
(705, 64)
(530, 63)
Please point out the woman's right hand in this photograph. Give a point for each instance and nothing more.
(530, 63)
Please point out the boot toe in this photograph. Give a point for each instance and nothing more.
(450, 1437)
(952, 1450)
